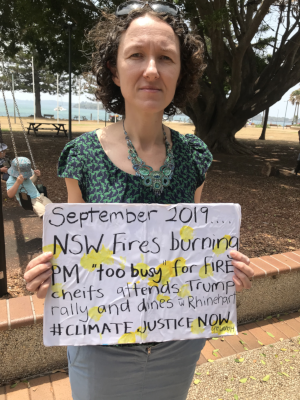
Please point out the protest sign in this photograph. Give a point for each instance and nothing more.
(136, 273)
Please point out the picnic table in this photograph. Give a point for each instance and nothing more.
(35, 127)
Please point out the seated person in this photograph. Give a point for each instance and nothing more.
(25, 182)
(4, 162)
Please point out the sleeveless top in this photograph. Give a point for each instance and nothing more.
(101, 181)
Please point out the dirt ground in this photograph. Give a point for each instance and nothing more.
(270, 205)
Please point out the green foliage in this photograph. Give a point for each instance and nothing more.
(241, 63)
(262, 43)
(20, 65)
(40, 26)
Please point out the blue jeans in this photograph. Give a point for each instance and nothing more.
(161, 372)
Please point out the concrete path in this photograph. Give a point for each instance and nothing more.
(261, 363)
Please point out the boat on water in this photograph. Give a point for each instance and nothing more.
(59, 109)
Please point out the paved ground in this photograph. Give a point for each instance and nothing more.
(261, 363)
(268, 373)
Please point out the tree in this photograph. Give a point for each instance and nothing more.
(90, 85)
(44, 80)
(242, 77)
(40, 25)
(295, 100)
(249, 66)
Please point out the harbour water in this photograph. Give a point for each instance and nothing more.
(26, 109)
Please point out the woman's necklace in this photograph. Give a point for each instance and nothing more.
(157, 180)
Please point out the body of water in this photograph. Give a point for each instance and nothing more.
(259, 122)
(26, 110)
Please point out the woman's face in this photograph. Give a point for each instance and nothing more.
(148, 64)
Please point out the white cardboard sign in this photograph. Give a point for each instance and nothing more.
(136, 273)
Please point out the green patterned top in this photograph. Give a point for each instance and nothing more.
(101, 181)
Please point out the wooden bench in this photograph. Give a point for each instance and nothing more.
(49, 115)
(35, 127)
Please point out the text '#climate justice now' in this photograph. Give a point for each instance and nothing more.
(140, 273)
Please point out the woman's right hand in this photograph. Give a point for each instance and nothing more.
(38, 274)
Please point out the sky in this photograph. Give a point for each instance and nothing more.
(278, 108)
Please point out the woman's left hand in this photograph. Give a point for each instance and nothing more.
(37, 172)
(242, 271)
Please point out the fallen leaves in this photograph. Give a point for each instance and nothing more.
(270, 334)
(283, 373)
(196, 381)
(215, 352)
(266, 378)
(239, 360)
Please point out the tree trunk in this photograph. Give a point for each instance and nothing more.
(218, 132)
(37, 89)
(263, 132)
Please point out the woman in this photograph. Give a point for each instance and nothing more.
(147, 64)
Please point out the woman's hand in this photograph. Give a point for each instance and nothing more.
(38, 274)
(4, 170)
(242, 271)
(37, 172)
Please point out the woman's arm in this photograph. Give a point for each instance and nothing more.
(39, 270)
(198, 193)
(74, 192)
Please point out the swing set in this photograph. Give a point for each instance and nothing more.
(25, 199)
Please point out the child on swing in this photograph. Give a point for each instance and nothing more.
(25, 182)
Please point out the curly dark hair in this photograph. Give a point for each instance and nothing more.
(106, 38)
